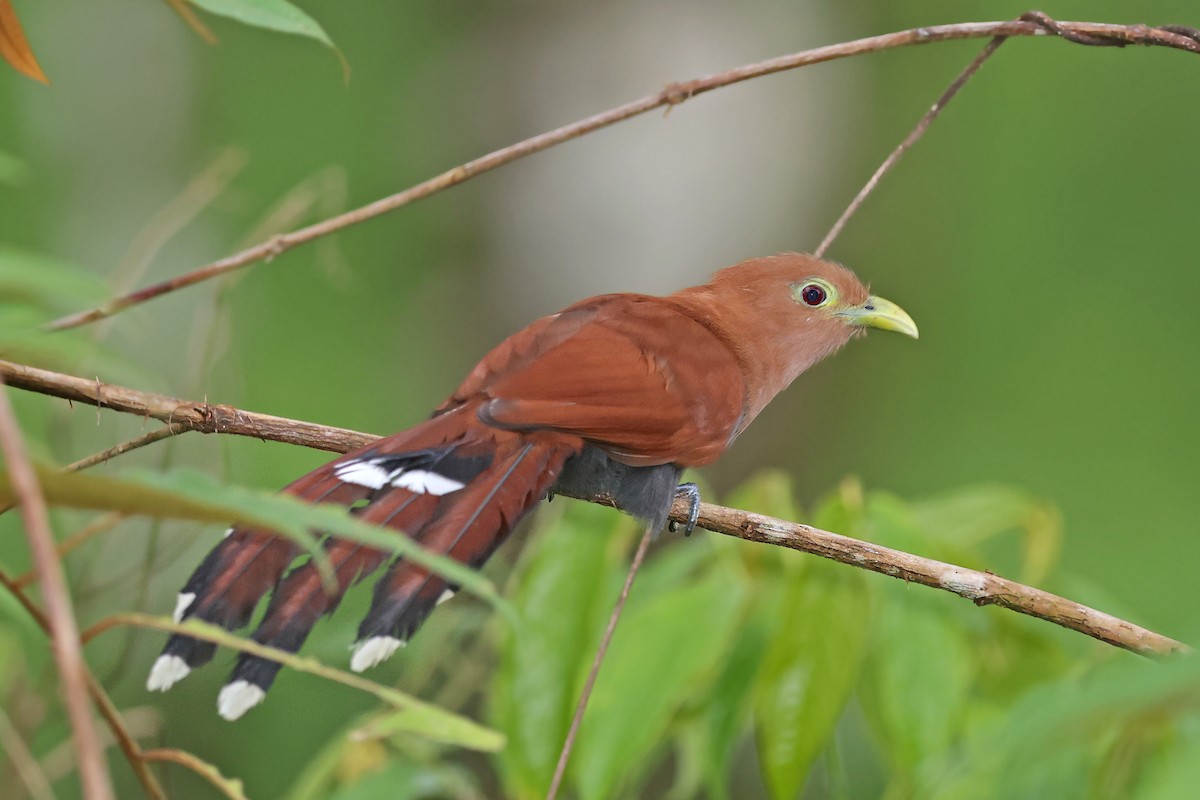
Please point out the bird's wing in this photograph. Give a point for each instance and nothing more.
(632, 373)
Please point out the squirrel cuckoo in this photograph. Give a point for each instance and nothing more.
(615, 395)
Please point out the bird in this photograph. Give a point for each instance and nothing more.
(615, 395)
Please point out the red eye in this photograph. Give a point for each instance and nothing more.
(812, 294)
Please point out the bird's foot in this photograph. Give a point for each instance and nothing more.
(692, 493)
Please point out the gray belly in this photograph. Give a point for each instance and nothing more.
(645, 492)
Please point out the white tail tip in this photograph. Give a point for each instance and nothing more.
(237, 698)
(374, 650)
(166, 672)
(182, 604)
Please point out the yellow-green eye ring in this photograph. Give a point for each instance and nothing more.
(813, 292)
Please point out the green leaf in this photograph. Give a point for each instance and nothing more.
(923, 663)
(767, 492)
(186, 494)
(273, 15)
(350, 767)
(725, 711)
(809, 671)
(558, 603)
(1061, 735)
(420, 720)
(411, 715)
(1176, 779)
(666, 651)
(760, 571)
(919, 677)
(971, 514)
(974, 514)
(411, 782)
(34, 289)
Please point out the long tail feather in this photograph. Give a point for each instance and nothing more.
(454, 485)
(468, 530)
(233, 578)
(303, 598)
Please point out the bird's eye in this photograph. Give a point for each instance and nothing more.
(812, 295)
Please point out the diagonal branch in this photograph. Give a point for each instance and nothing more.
(1031, 24)
(982, 588)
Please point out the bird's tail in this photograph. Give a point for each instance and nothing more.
(456, 486)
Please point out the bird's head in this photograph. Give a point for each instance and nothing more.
(784, 313)
(831, 295)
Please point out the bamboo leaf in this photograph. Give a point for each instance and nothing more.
(273, 15)
(186, 494)
(411, 715)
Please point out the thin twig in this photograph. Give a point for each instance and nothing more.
(673, 94)
(983, 588)
(175, 215)
(153, 436)
(564, 755)
(908, 142)
(68, 655)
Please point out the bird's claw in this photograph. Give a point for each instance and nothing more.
(692, 493)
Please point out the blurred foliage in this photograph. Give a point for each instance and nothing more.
(1035, 234)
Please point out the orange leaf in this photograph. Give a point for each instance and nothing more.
(13, 47)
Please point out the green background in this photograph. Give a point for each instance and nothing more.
(1043, 235)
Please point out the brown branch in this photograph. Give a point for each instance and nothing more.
(64, 634)
(982, 588)
(1032, 24)
(184, 414)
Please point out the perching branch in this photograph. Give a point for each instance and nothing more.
(982, 588)
(1033, 23)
